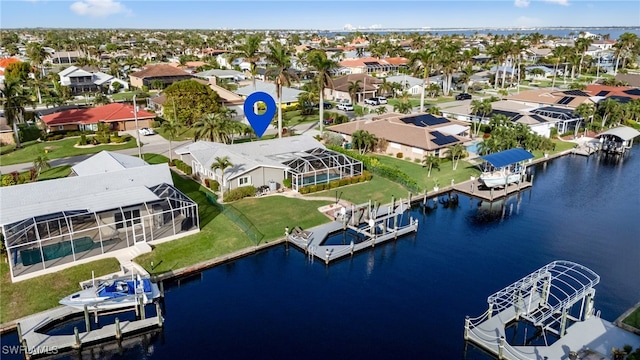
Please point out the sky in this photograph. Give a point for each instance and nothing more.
(320, 15)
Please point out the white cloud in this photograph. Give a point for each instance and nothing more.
(99, 8)
(521, 3)
(559, 2)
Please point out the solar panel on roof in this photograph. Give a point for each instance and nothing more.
(603, 93)
(565, 100)
(632, 92)
(516, 118)
(509, 114)
(424, 120)
(440, 139)
(538, 118)
(575, 93)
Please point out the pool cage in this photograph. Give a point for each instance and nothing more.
(320, 166)
(63, 237)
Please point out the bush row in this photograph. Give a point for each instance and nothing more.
(366, 176)
(375, 166)
(212, 184)
(239, 193)
(101, 139)
(182, 166)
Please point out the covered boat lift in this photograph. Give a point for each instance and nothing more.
(617, 140)
(504, 167)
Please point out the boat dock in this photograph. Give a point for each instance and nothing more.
(367, 223)
(36, 343)
(473, 188)
(556, 302)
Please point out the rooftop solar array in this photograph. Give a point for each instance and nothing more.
(620, 99)
(440, 139)
(424, 120)
(565, 100)
(632, 92)
(603, 93)
(509, 114)
(575, 93)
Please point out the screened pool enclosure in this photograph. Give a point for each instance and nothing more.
(320, 166)
(151, 214)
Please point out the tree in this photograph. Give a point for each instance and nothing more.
(431, 162)
(14, 100)
(403, 106)
(100, 99)
(422, 61)
(279, 57)
(250, 52)
(559, 53)
(455, 153)
(221, 163)
(363, 141)
(37, 55)
(482, 108)
(214, 127)
(582, 45)
(171, 128)
(323, 66)
(353, 89)
(40, 163)
(586, 112)
(608, 109)
(190, 101)
(18, 71)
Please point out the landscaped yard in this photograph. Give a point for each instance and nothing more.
(58, 149)
(377, 189)
(633, 319)
(43, 292)
(183, 134)
(560, 146)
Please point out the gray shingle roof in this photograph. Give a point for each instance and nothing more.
(288, 94)
(106, 161)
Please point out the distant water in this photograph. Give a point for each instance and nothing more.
(408, 299)
(614, 33)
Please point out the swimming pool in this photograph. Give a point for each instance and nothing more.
(473, 148)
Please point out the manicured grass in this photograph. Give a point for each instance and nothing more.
(52, 173)
(377, 189)
(183, 134)
(272, 214)
(58, 149)
(294, 118)
(127, 95)
(633, 319)
(560, 146)
(443, 176)
(43, 292)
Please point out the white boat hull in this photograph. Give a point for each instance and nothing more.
(94, 301)
(492, 180)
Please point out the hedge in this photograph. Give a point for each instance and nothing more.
(372, 164)
(182, 166)
(240, 193)
(365, 176)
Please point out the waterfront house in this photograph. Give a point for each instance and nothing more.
(165, 73)
(119, 116)
(111, 205)
(302, 159)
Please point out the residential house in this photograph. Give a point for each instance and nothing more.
(289, 95)
(534, 54)
(83, 80)
(629, 79)
(412, 84)
(621, 94)
(220, 74)
(412, 136)
(371, 65)
(165, 73)
(546, 97)
(119, 116)
(302, 159)
(65, 57)
(110, 206)
(368, 87)
(228, 99)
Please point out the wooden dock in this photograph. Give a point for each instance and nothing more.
(37, 343)
(473, 188)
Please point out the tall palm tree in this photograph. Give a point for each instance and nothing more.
(363, 140)
(482, 108)
(279, 56)
(250, 52)
(323, 66)
(582, 45)
(171, 128)
(37, 55)
(41, 162)
(221, 163)
(559, 54)
(455, 153)
(14, 99)
(213, 127)
(431, 162)
(353, 90)
(422, 61)
(403, 106)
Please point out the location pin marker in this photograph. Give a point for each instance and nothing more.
(259, 123)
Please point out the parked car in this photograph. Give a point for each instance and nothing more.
(376, 100)
(345, 106)
(328, 121)
(463, 96)
(146, 131)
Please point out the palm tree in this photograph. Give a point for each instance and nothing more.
(279, 57)
(482, 108)
(221, 163)
(37, 55)
(403, 106)
(455, 153)
(14, 99)
(40, 163)
(363, 141)
(609, 108)
(213, 127)
(559, 53)
(586, 111)
(582, 45)
(431, 162)
(171, 128)
(250, 52)
(323, 66)
(422, 61)
(353, 89)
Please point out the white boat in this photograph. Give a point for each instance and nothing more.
(114, 294)
(504, 167)
(500, 177)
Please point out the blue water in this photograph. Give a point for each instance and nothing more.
(408, 298)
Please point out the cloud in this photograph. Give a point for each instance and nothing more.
(521, 3)
(559, 2)
(99, 8)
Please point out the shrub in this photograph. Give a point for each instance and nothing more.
(8, 180)
(399, 155)
(334, 184)
(313, 188)
(343, 182)
(240, 193)
(214, 185)
(287, 183)
(29, 132)
(304, 190)
(172, 162)
(54, 137)
(100, 139)
(367, 175)
(416, 160)
(83, 140)
(117, 139)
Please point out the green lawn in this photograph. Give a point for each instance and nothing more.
(272, 214)
(183, 134)
(443, 176)
(43, 292)
(560, 146)
(633, 319)
(127, 95)
(58, 149)
(377, 189)
(52, 173)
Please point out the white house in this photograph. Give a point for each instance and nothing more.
(81, 80)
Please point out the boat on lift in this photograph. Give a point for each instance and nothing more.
(114, 294)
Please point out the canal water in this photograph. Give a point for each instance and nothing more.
(409, 298)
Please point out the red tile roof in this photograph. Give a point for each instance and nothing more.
(595, 89)
(5, 62)
(158, 71)
(107, 113)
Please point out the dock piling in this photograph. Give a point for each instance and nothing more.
(142, 313)
(326, 255)
(159, 314)
(19, 330)
(77, 335)
(118, 331)
(501, 348)
(466, 327)
(27, 354)
(87, 321)
(161, 286)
